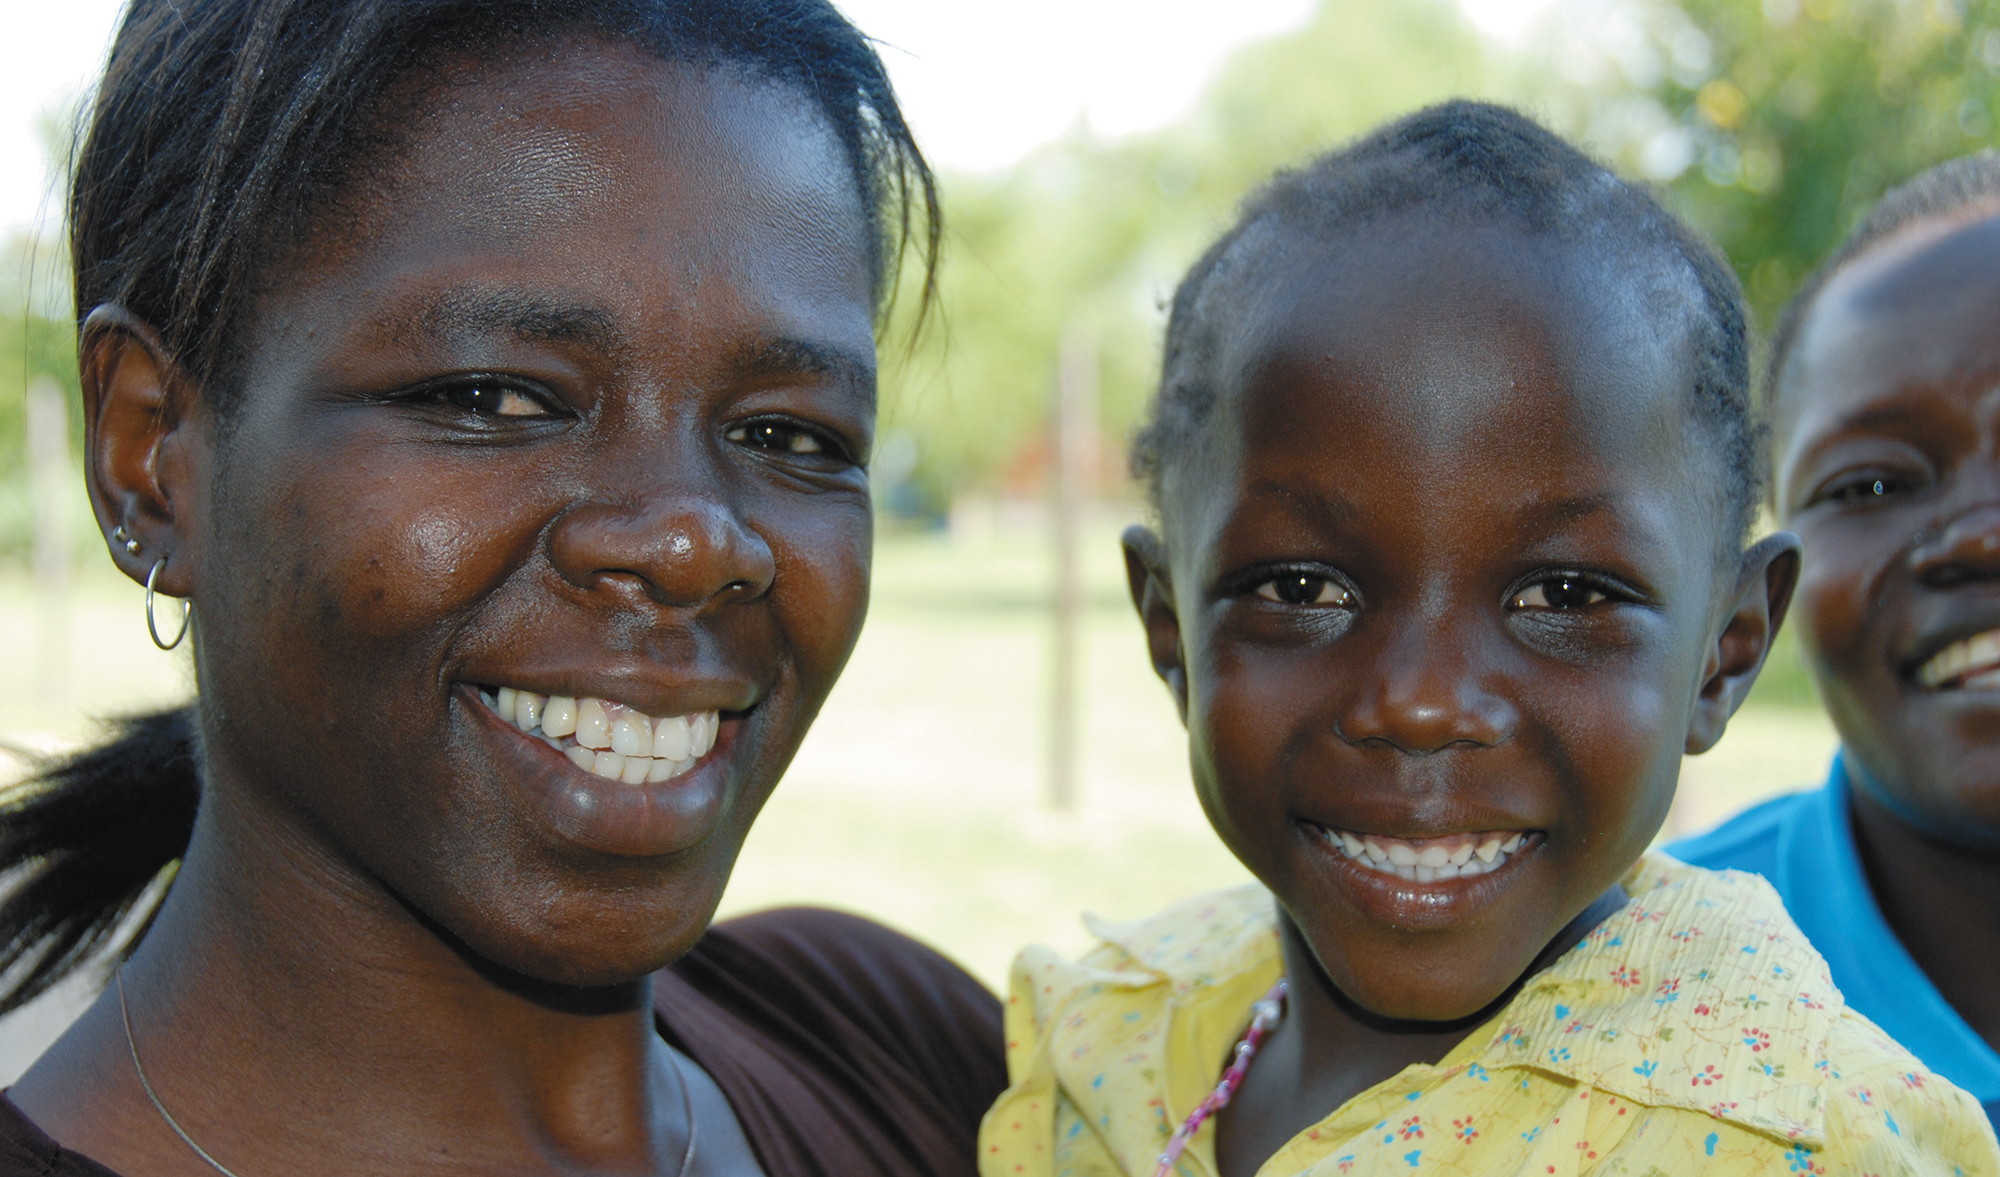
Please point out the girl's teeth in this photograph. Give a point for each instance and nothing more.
(1454, 856)
(1976, 657)
(610, 739)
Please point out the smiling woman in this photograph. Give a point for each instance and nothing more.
(495, 378)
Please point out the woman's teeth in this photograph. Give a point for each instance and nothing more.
(1973, 663)
(609, 739)
(1428, 860)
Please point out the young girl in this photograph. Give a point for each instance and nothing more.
(1881, 392)
(495, 378)
(1453, 465)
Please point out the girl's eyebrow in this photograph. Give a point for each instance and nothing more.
(1550, 514)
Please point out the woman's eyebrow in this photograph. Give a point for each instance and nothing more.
(519, 313)
(792, 356)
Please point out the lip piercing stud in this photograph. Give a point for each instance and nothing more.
(131, 545)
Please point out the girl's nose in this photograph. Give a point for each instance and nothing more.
(679, 548)
(1424, 695)
(1967, 548)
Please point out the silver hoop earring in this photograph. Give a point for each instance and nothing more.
(187, 610)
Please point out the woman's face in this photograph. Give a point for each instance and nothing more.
(571, 399)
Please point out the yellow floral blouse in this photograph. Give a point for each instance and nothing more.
(1693, 1032)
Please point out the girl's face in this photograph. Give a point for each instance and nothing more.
(570, 401)
(1445, 589)
(1889, 467)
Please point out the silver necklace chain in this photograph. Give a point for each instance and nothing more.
(125, 1012)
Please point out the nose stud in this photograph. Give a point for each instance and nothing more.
(119, 535)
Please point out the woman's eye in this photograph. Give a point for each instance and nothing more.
(498, 400)
(778, 437)
(1559, 592)
(1300, 589)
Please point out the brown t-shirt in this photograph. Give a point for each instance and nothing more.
(846, 1049)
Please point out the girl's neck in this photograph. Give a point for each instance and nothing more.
(1329, 1050)
(1943, 902)
(281, 1000)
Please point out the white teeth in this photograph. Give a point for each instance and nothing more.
(671, 738)
(613, 740)
(1978, 654)
(593, 726)
(632, 735)
(528, 710)
(1431, 860)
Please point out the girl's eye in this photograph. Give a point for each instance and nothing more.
(1299, 589)
(778, 438)
(1559, 592)
(498, 400)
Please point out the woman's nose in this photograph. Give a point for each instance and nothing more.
(1966, 549)
(679, 548)
(1423, 694)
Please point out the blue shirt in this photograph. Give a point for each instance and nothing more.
(1804, 844)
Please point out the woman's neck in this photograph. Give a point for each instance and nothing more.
(281, 1000)
(1329, 1050)
(1943, 902)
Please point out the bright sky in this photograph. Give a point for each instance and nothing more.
(983, 82)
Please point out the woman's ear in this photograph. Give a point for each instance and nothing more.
(1153, 597)
(1763, 591)
(137, 446)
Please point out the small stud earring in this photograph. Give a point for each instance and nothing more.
(131, 545)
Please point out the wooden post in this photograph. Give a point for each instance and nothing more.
(52, 482)
(1076, 447)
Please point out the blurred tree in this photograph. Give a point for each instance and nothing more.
(1778, 123)
(1091, 236)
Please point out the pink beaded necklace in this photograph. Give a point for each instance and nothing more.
(1263, 1019)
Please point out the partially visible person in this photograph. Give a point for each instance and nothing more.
(1455, 469)
(1884, 398)
(496, 379)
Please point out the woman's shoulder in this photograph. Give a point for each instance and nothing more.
(844, 1046)
(27, 1151)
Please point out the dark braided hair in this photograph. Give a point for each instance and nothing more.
(1475, 162)
(1952, 188)
(222, 136)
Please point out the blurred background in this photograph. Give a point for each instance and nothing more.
(998, 758)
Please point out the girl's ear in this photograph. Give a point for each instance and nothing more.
(1153, 597)
(138, 459)
(1763, 592)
